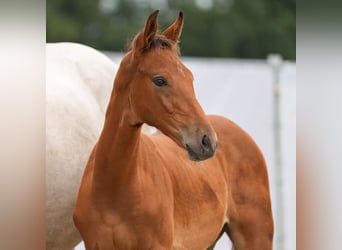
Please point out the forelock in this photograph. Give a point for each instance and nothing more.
(159, 41)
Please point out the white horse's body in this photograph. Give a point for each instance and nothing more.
(78, 85)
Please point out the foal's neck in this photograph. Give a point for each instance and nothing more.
(118, 146)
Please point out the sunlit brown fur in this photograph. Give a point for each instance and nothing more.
(143, 192)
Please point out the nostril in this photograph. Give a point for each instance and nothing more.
(206, 142)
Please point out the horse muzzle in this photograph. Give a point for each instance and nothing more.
(202, 149)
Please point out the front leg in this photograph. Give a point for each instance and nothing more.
(224, 230)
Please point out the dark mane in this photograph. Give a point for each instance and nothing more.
(159, 41)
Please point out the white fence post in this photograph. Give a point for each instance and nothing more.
(275, 61)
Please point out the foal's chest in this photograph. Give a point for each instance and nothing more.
(137, 223)
(200, 205)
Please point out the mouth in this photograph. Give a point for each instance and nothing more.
(192, 155)
(197, 157)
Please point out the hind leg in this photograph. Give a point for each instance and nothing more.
(251, 228)
(250, 224)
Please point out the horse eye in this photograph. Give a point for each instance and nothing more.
(159, 81)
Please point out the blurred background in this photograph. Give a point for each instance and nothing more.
(212, 28)
(242, 54)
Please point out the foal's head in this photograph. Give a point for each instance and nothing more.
(160, 89)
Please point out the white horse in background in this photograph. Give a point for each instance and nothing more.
(79, 80)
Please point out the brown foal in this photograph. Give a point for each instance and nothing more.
(180, 188)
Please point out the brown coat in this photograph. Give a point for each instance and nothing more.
(178, 189)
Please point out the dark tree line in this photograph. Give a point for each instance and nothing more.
(215, 28)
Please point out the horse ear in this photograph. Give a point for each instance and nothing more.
(145, 38)
(174, 31)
